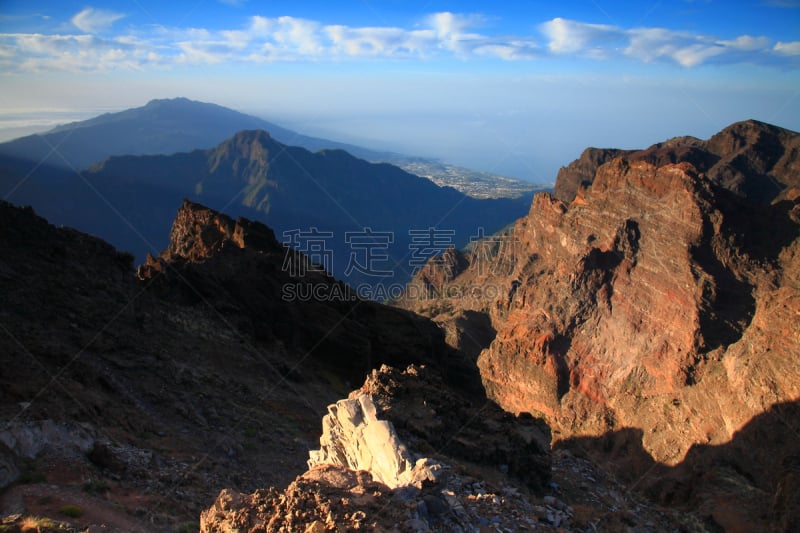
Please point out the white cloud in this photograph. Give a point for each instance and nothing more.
(92, 20)
(788, 49)
(747, 43)
(570, 37)
(600, 41)
(440, 35)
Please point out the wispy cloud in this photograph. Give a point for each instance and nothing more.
(92, 20)
(657, 44)
(439, 35)
(573, 37)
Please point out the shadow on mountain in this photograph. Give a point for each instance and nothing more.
(751, 483)
(361, 220)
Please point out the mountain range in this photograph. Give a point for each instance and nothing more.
(168, 126)
(623, 357)
(327, 199)
(163, 126)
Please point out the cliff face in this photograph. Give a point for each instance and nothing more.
(662, 298)
(641, 295)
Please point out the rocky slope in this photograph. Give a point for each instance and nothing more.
(137, 399)
(129, 400)
(650, 315)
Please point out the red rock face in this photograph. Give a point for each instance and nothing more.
(661, 304)
(634, 300)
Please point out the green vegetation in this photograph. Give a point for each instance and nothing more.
(72, 511)
(188, 527)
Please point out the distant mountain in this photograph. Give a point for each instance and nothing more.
(161, 127)
(174, 125)
(326, 203)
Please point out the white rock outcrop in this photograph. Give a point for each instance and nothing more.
(353, 437)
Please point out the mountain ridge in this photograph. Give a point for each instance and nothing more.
(162, 126)
(168, 126)
(128, 200)
(744, 157)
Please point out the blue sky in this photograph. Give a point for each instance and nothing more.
(518, 88)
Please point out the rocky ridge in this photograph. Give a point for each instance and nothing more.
(753, 159)
(651, 306)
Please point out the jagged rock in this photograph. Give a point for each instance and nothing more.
(276, 294)
(750, 158)
(359, 432)
(394, 456)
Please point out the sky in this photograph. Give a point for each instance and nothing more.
(516, 88)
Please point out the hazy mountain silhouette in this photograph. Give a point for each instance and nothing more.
(130, 201)
(161, 127)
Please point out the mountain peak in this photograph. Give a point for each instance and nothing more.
(177, 99)
(200, 232)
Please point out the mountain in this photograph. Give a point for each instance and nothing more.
(649, 313)
(328, 199)
(139, 398)
(174, 125)
(162, 126)
(130, 401)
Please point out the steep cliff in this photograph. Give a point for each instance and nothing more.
(663, 297)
